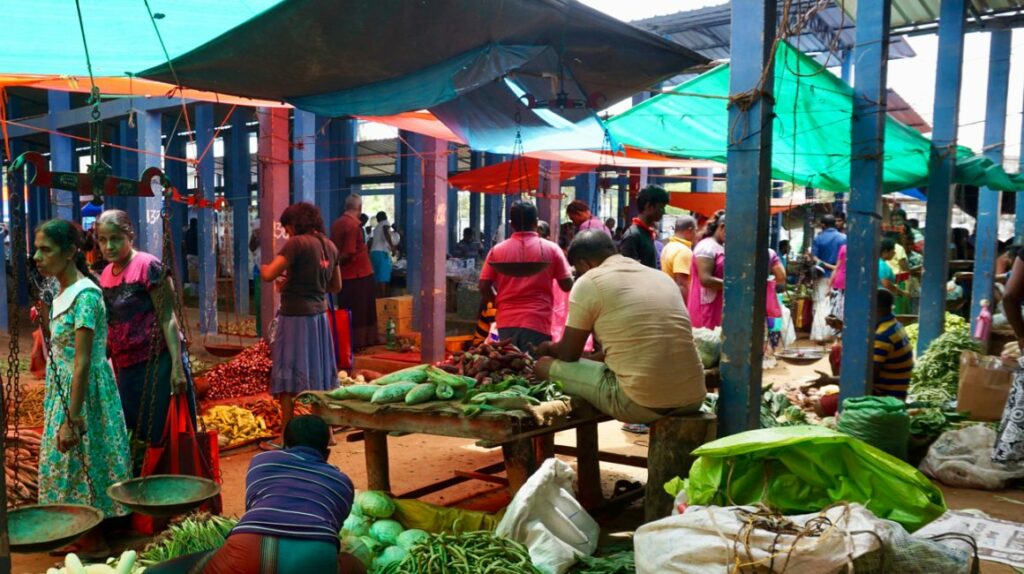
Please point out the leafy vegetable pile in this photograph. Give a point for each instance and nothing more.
(621, 562)
(953, 324)
(478, 552)
(778, 411)
(194, 533)
(709, 345)
(937, 371)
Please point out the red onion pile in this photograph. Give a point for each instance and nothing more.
(246, 374)
(491, 362)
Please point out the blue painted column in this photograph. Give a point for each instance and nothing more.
(586, 190)
(17, 213)
(703, 179)
(272, 197)
(938, 222)
(476, 160)
(304, 157)
(412, 231)
(203, 124)
(846, 74)
(776, 225)
(346, 136)
(749, 164)
(492, 207)
(864, 217)
(990, 200)
(451, 163)
(177, 172)
(127, 165)
(326, 195)
(62, 158)
(238, 176)
(549, 196)
(433, 284)
(620, 211)
(150, 233)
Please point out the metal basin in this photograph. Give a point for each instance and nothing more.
(520, 268)
(45, 527)
(163, 494)
(800, 356)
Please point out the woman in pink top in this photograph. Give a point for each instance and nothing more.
(839, 284)
(708, 266)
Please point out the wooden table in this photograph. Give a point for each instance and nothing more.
(522, 441)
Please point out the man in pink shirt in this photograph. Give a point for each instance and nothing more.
(579, 213)
(524, 303)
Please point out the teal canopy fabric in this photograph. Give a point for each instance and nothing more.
(811, 141)
(43, 36)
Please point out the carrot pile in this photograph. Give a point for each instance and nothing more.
(21, 465)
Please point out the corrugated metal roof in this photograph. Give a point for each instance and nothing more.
(921, 16)
(707, 31)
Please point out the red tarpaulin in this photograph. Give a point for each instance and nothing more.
(517, 176)
(707, 204)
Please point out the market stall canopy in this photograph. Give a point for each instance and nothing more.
(392, 56)
(707, 204)
(811, 141)
(522, 175)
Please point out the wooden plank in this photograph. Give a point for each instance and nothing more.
(452, 481)
(634, 460)
(441, 424)
(483, 477)
(377, 464)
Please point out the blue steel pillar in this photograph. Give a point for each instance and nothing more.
(990, 200)
(938, 222)
(238, 177)
(304, 157)
(703, 179)
(326, 195)
(176, 172)
(150, 233)
(620, 215)
(586, 190)
(451, 163)
(864, 217)
(203, 124)
(749, 164)
(412, 230)
(776, 225)
(127, 164)
(62, 157)
(476, 160)
(492, 207)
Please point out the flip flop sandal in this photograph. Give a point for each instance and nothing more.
(625, 486)
(636, 428)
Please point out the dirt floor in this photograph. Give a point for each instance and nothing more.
(418, 460)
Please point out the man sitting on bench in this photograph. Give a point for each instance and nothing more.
(650, 364)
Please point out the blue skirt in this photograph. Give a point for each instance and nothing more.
(303, 353)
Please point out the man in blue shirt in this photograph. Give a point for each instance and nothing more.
(295, 504)
(826, 245)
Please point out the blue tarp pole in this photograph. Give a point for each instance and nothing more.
(476, 160)
(938, 222)
(747, 209)
(239, 176)
(62, 157)
(990, 200)
(150, 235)
(864, 217)
(203, 124)
(304, 157)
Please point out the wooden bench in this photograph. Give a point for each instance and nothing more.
(672, 440)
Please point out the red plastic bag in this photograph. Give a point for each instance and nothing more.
(182, 451)
(341, 329)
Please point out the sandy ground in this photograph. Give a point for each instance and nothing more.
(418, 460)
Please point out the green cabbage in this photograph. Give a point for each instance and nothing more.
(386, 531)
(709, 345)
(375, 504)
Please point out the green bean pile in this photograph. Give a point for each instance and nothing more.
(479, 552)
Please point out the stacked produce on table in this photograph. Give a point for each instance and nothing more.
(491, 362)
(234, 425)
(269, 411)
(21, 465)
(953, 324)
(246, 374)
(937, 371)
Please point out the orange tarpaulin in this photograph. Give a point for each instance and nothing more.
(119, 86)
(518, 176)
(708, 203)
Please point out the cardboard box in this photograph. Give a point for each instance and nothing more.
(984, 386)
(401, 326)
(395, 307)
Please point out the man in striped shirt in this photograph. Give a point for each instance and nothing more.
(894, 357)
(295, 504)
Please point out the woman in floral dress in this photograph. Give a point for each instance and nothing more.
(85, 445)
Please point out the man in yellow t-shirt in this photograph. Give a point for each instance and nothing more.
(678, 253)
(650, 367)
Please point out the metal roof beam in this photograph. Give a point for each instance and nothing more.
(83, 115)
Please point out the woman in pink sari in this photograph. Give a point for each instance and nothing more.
(708, 267)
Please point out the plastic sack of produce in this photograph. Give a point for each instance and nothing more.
(962, 458)
(432, 518)
(545, 517)
(705, 539)
(798, 469)
(882, 422)
(709, 345)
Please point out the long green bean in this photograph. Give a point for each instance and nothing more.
(479, 552)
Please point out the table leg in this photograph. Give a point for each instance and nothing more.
(588, 466)
(545, 446)
(377, 471)
(520, 462)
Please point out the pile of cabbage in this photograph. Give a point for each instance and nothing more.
(373, 536)
(709, 345)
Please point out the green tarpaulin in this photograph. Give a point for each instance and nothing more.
(812, 139)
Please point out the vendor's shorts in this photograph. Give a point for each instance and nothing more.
(595, 383)
(252, 553)
(524, 339)
(381, 261)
